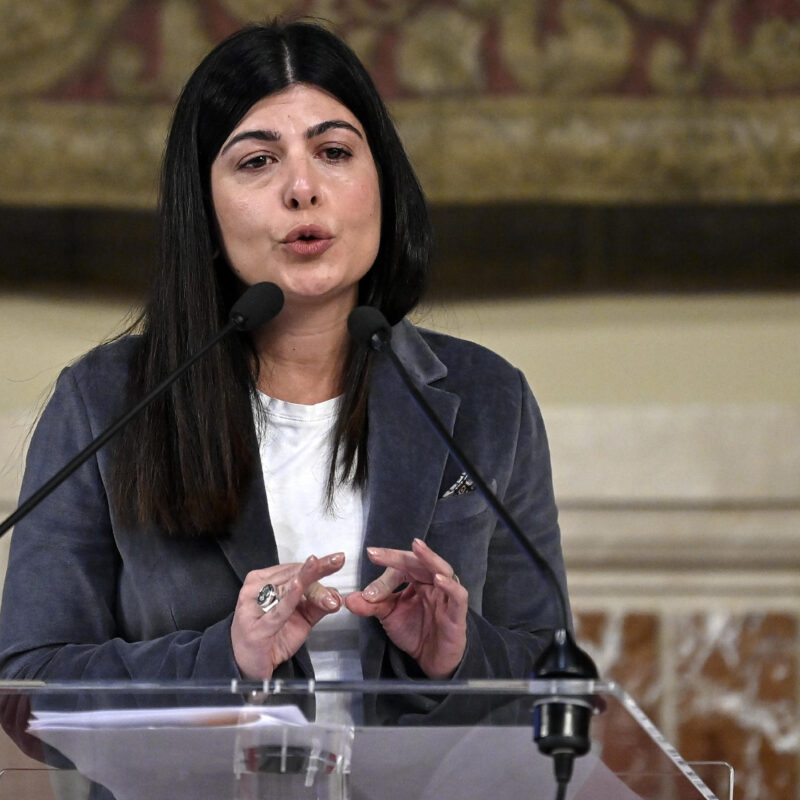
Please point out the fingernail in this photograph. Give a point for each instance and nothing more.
(331, 600)
(336, 559)
(419, 541)
(370, 593)
(372, 551)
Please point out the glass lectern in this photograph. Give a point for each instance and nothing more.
(243, 740)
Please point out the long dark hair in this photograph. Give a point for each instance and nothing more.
(184, 464)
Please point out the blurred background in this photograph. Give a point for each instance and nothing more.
(615, 186)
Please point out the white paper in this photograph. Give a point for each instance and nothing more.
(169, 754)
(183, 717)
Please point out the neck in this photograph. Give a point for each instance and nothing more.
(302, 354)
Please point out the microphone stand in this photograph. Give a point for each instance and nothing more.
(245, 315)
(560, 724)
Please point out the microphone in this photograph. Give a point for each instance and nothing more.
(561, 725)
(260, 303)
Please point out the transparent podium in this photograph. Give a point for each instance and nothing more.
(243, 740)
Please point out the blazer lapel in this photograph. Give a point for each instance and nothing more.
(406, 459)
(251, 542)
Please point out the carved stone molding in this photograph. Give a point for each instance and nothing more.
(604, 149)
(81, 155)
(492, 149)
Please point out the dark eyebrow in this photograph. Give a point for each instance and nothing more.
(261, 136)
(319, 129)
(274, 136)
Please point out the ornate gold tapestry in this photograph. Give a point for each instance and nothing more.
(497, 100)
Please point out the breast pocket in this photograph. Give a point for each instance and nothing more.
(460, 532)
(461, 506)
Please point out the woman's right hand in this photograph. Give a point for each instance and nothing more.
(262, 640)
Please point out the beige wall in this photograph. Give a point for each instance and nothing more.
(611, 352)
(635, 350)
(632, 358)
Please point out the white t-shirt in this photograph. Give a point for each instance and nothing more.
(295, 457)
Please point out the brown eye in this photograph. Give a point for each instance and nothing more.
(256, 162)
(336, 153)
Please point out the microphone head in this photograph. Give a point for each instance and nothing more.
(260, 303)
(369, 327)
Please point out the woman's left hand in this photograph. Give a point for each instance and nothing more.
(428, 618)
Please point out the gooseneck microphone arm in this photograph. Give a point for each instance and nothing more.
(259, 304)
(561, 725)
(381, 343)
(369, 327)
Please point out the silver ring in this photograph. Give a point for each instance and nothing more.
(267, 598)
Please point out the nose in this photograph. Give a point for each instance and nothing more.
(301, 190)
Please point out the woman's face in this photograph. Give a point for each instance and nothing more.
(296, 197)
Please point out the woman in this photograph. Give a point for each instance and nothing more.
(163, 558)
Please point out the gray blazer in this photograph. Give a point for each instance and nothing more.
(88, 598)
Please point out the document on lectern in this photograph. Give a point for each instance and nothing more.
(117, 719)
(199, 753)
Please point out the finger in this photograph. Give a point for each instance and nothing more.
(293, 593)
(283, 573)
(291, 581)
(271, 621)
(430, 559)
(276, 575)
(279, 579)
(312, 613)
(457, 596)
(313, 568)
(326, 599)
(357, 604)
(404, 562)
(317, 601)
(383, 586)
